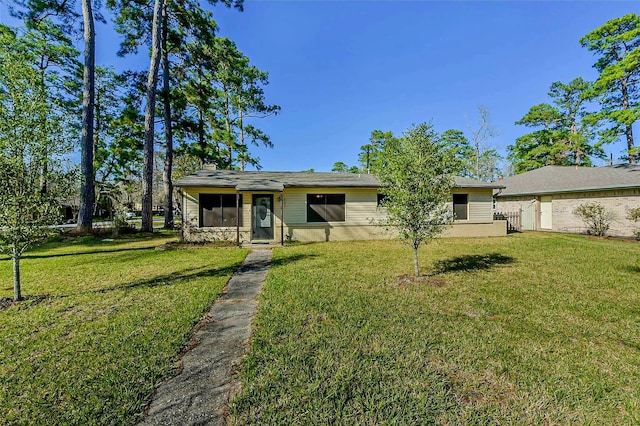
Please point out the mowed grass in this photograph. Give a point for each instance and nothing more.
(103, 324)
(527, 329)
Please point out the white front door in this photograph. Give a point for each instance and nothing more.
(546, 213)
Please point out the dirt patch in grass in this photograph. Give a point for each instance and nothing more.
(411, 280)
(27, 301)
(5, 302)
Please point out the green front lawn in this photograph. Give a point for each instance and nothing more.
(526, 329)
(103, 323)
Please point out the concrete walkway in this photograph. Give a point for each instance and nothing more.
(200, 394)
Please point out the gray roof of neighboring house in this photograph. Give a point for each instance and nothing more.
(472, 183)
(277, 181)
(557, 179)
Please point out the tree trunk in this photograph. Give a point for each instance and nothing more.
(628, 131)
(415, 259)
(17, 292)
(201, 142)
(43, 173)
(149, 119)
(241, 126)
(85, 214)
(168, 130)
(477, 161)
(575, 145)
(227, 121)
(633, 156)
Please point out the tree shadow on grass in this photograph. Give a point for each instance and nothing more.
(174, 277)
(474, 262)
(633, 268)
(115, 250)
(204, 272)
(291, 259)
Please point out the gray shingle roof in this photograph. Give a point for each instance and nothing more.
(267, 181)
(562, 179)
(276, 181)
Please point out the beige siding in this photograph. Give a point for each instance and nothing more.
(295, 206)
(480, 209)
(361, 216)
(360, 204)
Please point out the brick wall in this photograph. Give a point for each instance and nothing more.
(618, 201)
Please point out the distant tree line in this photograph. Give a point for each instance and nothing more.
(471, 159)
(585, 116)
(205, 94)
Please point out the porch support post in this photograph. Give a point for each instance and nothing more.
(238, 218)
(282, 218)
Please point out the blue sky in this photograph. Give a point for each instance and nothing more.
(340, 69)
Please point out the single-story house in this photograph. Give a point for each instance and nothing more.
(546, 197)
(257, 206)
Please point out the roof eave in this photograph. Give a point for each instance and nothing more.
(568, 191)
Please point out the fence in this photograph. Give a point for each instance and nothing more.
(514, 223)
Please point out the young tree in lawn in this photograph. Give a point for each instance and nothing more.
(416, 180)
(31, 133)
(617, 44)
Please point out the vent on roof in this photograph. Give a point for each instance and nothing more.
(210, 166)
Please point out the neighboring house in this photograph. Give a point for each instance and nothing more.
(250, 207)
(546, 197)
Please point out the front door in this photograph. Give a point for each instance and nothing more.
(262, 217)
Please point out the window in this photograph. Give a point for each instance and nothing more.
(219, 210)
(381, 198)
(325, 208)
(460, 206)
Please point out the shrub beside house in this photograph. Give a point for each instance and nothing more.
(548, 197)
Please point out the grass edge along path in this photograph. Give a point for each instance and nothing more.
(103, 324)
(527, 329)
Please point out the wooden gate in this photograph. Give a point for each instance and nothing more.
(512, 218)
(529, 217)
